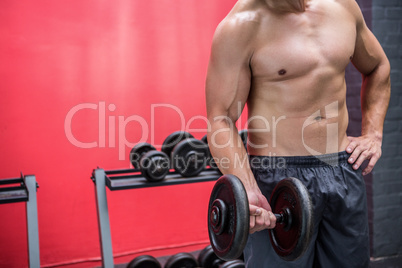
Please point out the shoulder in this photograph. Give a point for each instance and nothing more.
(352, 7)
(240, 25)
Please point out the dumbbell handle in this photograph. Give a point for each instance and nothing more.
(284, 217)
(279, 217)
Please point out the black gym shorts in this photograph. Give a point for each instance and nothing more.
(341, 237)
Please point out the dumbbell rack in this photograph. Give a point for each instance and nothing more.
(24, 192)
(124, 179)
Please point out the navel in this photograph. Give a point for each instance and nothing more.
(318, 118)
(282, 72)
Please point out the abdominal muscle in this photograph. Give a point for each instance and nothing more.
(297, 118)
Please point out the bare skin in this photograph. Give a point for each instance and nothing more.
(287, 60)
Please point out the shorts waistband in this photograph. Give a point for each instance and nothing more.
(334, 159)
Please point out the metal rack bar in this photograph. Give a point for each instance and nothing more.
(25, 192)
(136, 181)
(129, 179)
(32, 222)
(11, 181)
(13, 194)
(103, 219)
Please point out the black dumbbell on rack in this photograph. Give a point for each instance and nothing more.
(188, 155)
(181, 260)
(144, 261)
(173, 139)
(154, 165)
(208, 259)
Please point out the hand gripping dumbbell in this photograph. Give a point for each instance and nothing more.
(188, 155)
(154, 165)
(229, 218)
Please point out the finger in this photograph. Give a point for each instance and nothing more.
(355, 154)
(272, 220)
(362, 157)
(371, 164)
(255, 211)
(352, 145)
(252, 224)
(263, 221)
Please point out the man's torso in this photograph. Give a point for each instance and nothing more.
(297, 99)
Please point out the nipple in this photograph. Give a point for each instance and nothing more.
(282, 72)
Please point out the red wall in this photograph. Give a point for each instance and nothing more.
(116, 60)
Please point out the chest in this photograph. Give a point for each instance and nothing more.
(297, 46)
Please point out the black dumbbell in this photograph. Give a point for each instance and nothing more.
(208, 259)
(181, 260)
(229, 218)
(144, 261)
(173, 139)
(189, 157)
(154, 165)
(205, 139)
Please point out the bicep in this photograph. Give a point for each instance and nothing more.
(228, 79)
(227, 91)
(368, 54)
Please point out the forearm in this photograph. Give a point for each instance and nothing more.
(375, 97)
(228, 151)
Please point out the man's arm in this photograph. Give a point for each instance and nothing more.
(227, 89)
(370, 59)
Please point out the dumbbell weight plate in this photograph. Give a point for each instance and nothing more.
(144, 261)
(181, 260)
(228, 222)
(208, 259)
(228, 217)
(291, 242)
(154, 166)
(173, 139)
(189, 157)
(138, 151)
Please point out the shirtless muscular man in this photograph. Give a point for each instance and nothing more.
(286, 59)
